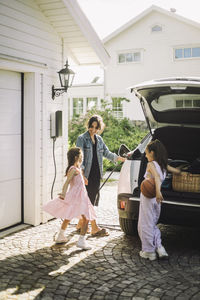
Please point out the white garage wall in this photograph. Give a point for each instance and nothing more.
(10, 148)
(30, 45)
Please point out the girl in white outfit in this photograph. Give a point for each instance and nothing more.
(150, 208)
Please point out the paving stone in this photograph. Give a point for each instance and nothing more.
(46, 297)
(34, 267)
(84, 297)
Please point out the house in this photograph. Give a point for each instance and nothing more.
(85, 96)
(37, 37)
(155, 44)
(78, 104)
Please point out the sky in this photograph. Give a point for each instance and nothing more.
(106, 16)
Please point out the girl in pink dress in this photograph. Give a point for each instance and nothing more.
(150, 208)
(73, 201)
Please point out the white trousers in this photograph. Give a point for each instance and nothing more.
(149, 233)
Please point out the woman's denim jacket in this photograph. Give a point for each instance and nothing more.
(85, 143)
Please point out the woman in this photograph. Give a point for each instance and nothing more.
(94, 149)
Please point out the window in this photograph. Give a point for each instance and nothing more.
(187, 52)
(91, 103)
(156, 28)
(196, 103)
(117, 108)
(122, 58)
(129, 57)
(77, 107)
(196, 52)
(179, 103)
(188, 103)
(137, 56)
(178, 53)
(176, 101)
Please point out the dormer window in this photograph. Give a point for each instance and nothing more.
(156, 28)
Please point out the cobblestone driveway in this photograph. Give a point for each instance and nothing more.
(33, 267)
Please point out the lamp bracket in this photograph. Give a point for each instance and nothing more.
(56, 92)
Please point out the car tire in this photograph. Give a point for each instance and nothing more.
(128, 226)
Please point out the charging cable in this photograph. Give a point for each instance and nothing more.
(54, 160)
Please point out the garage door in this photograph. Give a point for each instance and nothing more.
(10, 149)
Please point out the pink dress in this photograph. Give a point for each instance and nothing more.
(75, 203)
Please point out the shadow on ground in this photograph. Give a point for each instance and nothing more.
(112, 270)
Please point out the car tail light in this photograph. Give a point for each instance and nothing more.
(122, 204)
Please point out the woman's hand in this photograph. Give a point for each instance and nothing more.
(159, 197)
(120, 158)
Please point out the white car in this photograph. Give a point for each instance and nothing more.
(172, 105)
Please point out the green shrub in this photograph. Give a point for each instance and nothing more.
(116, 132)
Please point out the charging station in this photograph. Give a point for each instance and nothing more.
(55, 131)
(56, 124)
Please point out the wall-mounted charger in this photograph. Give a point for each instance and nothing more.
(55, 131)
(56, 124)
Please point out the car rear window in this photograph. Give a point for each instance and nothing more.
(176, 101)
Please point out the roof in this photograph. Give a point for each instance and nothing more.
(144, 14)
(81, 41)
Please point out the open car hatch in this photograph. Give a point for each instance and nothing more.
(170, 101)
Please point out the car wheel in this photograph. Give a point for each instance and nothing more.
(128, 226)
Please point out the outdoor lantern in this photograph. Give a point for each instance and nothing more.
(66, 77)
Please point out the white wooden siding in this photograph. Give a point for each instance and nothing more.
(32, 41)
(70, 23)
(27, 34)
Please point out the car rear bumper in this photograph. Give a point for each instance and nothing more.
(172, 212)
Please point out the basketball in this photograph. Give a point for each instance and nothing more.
(148, 187)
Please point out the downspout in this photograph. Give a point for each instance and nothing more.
(62, 51)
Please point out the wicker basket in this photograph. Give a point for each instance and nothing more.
(186, 182)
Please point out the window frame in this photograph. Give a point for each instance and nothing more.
(91, 98)
(73, 107)
(184, 103)
(157, 31)
(184, 49)
(129, 51)
(117, 110)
